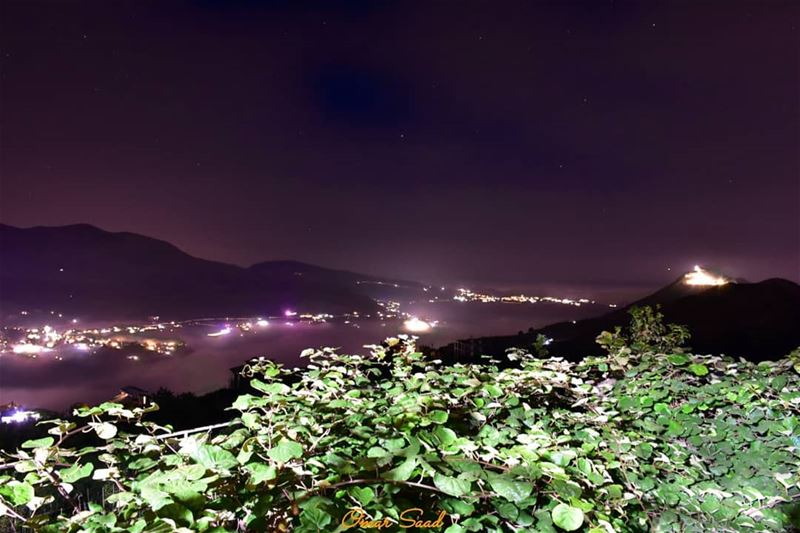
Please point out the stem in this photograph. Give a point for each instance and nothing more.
(68, 434)
(11, 511)
(185, 432)
(368, 481)
(62, 491)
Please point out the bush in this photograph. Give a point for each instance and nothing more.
(661, 441)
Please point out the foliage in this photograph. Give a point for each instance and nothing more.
(540, 346)
(647, 332)
(675, 442)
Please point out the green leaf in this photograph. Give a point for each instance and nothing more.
(509, 488)
(507, 510)
(561, 457)
(285, 451)
(364, 495)
(17, 492)
(779, 382)
(438, 417)
(678, 359)
(76, 472)
(44, 442)
(104, 430)
(627, 402)
(394, 445)
(698, 369)
(493, 390)
(403, 471)
(459, 507)
(567, 489)
(155, 498)
(142, 463)
(102, 474)
(178, 513)
(661, 408)
(269, 388)
(711, 504)
(315, 518)
(377, 452)
(25, 466)
(567, 517)
(445, 435)
(260, 472)
(250, 420)
(215, 457)
(451, 485)
(243, 402)
(644, 450)
(191, 472)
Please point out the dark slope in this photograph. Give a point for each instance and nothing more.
(759, 320)
(364, 284)
(752, 320)
(579, 337)
(84, 270)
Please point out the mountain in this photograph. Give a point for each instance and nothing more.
(752, 320)
(363, 284)
(81, 270)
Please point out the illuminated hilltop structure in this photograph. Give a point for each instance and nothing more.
(703, 278)
(12, 413)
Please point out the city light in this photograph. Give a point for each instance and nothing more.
(223, 331)
(28, 349)
(33, 341)
(466, 295)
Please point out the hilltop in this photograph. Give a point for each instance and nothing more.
(738, 318)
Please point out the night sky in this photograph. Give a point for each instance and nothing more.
(502, 143)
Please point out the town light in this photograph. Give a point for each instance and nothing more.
(223, 331)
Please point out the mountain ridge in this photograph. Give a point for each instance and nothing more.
(83, 269)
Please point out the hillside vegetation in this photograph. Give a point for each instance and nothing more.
(646, 438)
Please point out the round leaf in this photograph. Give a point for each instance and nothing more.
(567, 517)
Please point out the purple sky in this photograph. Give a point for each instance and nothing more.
(503, 144)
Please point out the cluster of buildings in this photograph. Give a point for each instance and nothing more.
(389, 309)
(252, 325)
(33, 341)
(466, 295)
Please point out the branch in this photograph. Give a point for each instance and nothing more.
(197, 430)
(68, 434)
(61, 490)
(367, 481)
(11, 511)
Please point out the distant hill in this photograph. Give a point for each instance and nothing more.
(752, 320)
(83, 270)
(363, 284)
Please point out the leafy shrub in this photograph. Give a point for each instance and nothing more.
(669, 442)
(647, 332)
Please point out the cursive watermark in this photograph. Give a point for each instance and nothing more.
(409, 518)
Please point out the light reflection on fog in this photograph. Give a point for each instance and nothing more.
(45, 382)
